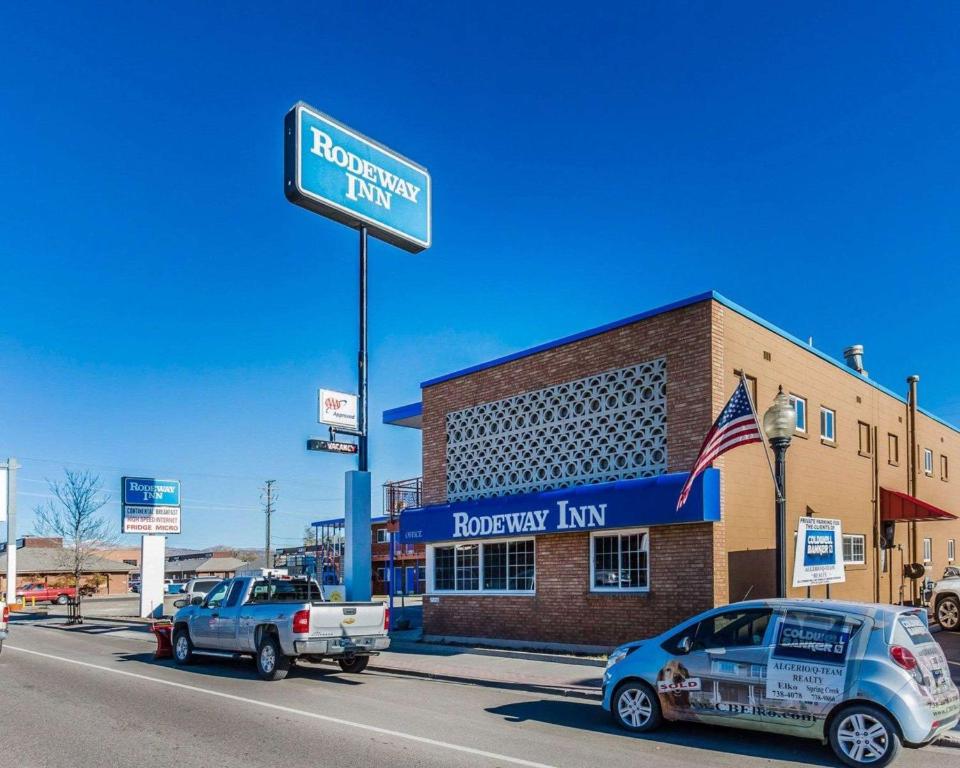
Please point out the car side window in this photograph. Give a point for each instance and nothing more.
(216, 596)
(235, 593)
(732, 629)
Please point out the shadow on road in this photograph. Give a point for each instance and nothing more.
(241, 669)
(592, 717)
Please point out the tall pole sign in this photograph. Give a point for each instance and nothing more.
(150, 507)
(335, 171)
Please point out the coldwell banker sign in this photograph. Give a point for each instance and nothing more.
(335, 171)
(819, 554)
(149, 505)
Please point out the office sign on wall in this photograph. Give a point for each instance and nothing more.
(818, 558)
(149, 505)
(339, 173)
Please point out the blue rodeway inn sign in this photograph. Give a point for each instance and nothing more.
(335, 171)
(620, 504)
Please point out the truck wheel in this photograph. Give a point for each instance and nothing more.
(948, 613)
(355, 665)
(635, 707)
(864, 735)
(272, 664)
(182, 647)
(62, 599)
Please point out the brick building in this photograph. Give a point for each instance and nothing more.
(44, 560)
(550, 479)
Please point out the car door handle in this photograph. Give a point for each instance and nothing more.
(716, 651)
(214, 615)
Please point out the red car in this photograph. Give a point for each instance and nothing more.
(43, 593)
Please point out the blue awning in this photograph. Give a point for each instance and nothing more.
(405, 416)
(620, 504)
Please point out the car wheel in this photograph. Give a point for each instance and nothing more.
(62, 599)
(636, 707)
(948, 613)
(354, 665)
(272, 664)
(864, 735)
(182, 647)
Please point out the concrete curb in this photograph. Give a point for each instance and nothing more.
(589, 694)
(949, 739)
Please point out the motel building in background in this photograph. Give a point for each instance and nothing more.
(551, 476)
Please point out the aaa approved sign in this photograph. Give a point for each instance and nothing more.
(819, 555)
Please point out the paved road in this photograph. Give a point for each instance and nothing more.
(103, 701)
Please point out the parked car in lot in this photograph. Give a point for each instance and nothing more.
(199, 587)
(43, 593)
(277, 620)
(944, 600)
(865, 678)
(4, 622)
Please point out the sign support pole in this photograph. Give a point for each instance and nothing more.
(362, 456)
(11, 506)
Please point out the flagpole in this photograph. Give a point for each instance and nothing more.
(756, 418)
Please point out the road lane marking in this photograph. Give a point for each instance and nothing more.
(293, 711)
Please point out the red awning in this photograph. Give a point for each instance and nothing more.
(898, 506)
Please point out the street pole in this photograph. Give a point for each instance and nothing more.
(780, 445)
(269, 512)
(11, 503)
(362, 455)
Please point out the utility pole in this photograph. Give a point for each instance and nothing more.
(268, 510)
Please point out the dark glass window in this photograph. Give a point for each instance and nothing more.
(522, 565)
(443, 575)
(495, 566)
(468, 566)
(620, 561)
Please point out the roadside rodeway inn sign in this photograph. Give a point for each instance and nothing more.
(337, 172)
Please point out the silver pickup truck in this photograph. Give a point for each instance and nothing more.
(277, 620)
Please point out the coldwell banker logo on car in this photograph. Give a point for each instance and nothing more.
(338, 172)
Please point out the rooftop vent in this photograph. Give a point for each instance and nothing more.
(854, 357)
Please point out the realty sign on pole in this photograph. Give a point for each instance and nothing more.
(335, 171)
(150, 506)
(819, 554)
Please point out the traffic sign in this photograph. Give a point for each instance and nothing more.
(331, 446)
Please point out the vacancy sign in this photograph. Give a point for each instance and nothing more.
(339, 173)
(819, 553)
(149, 505)
(337, 409)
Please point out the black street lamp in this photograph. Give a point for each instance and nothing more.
(780, 422)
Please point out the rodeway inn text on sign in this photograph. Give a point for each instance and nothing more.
(337, 172)
(534, 521)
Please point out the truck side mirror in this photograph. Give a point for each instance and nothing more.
(179, 603)
(196, 600)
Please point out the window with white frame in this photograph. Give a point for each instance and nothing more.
(489, 566)
(951, 549)
(828, 425)
(854, 548)
(619, 561)
(800, 406)
(383, 536)
(927, 550)
(927, 461)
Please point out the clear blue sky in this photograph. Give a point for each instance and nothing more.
(164, 310)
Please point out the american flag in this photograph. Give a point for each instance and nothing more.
(736, 425)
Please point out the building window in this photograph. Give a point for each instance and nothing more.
(927, 461)
(505, 566)
(927, 550)
(619, 561)
(383, 536)
(854, 548)
(866, 440)
(893, 449)
(944, 468)
(380, 574)
(828, 425)
(800, 405)
(951, 550)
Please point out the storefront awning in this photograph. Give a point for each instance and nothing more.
(901, 507)
(619, 504)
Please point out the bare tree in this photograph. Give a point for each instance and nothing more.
(73, 514)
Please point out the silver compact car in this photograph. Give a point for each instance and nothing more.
(866, 678)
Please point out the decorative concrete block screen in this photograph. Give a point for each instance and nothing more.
(611, 426)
